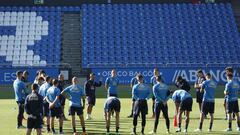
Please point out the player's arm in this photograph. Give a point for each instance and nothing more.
(99, 84)
(134, 93)
(202, 87)
(83, 96)
(148, 93)
(226, 91)
(51, 105)
(107, 84)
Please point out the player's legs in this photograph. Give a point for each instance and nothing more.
(73, 123)
(39, 131)
(144, 111)
(179, 118)
(48, 123)
(187, 119)
(52, 124)
(225, 108)
(108, 120)
(157, 114)
(136, 111)
(117, 121)
(82, 123)
(238, 120)
(29, 131)
(20, 114)
(211, 121)
(89, 109)
(165, 114)
(229, 120)
(131, 115)
(143, 122)
(60, 123)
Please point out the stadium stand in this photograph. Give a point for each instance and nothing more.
(30, 36)
(138, 35)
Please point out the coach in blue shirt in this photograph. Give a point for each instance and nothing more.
(19, 90)
(52, 98)
(112, 83)
(75, 93)
(231, 91)
(183, 102)
(209, 87)
(141, 93)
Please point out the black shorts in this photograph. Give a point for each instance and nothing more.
(112, 95)
(46, 109)
(91, 100)
(56, 112)
(73, 110)
(161, 107)
(34, 123)
(186, 104)
(140, 106)
(113, 105)
(207, 107)
(232, 107)
(199, 96)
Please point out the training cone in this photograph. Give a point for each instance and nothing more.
(175, 121)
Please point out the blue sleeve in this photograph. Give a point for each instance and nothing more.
(58, 92)
(82, 92)
(107, 81)
(132, 81)
(227, 87)
(174, 96)
(151, 81)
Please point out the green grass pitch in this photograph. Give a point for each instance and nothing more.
(96, 126)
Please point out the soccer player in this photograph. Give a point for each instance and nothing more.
(182, 84)
(111, 84)
(90, 88)
(52, 98)
(228, 70)
(183, 102)
(153, 82)
(141, 92)
(231, 91)
(75, 92)
(26, 81)
(112, 104)
(40, 73)
(133, 82)
(209, 87)
(162, 93)
(43, 92)
(199, 94)
(34, 109)
(19, 90)
(62, 99)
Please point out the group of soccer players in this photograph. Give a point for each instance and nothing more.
(46, 100)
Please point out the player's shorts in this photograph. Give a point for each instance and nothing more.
(161, 107)
(56, 112)
(91, 100)
(35, 123)
(232, 107)
(225, 100)
(112, 95)
(73, 110)
(140, 106)
(46, 109)
(207, 107)
(199, 96)
(113, 105)
(186, 104)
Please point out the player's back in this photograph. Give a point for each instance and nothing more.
(232, 87)
(209, 90)
(43, 89)
(161, 90)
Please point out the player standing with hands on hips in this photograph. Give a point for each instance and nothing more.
(111, 84)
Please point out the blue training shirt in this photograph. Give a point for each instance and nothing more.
(209, 87)
(160, 92)
(52, 93)
(141, 91)
(134, 81)
(180, 95)
(232, 87)
(112, 83)
(76, 92)
(43, 89)
(19, 90)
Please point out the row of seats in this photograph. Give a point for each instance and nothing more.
(159, 33)
(39, 8)
(30, 36)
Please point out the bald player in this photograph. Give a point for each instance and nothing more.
(75, 93)
(111, 84)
